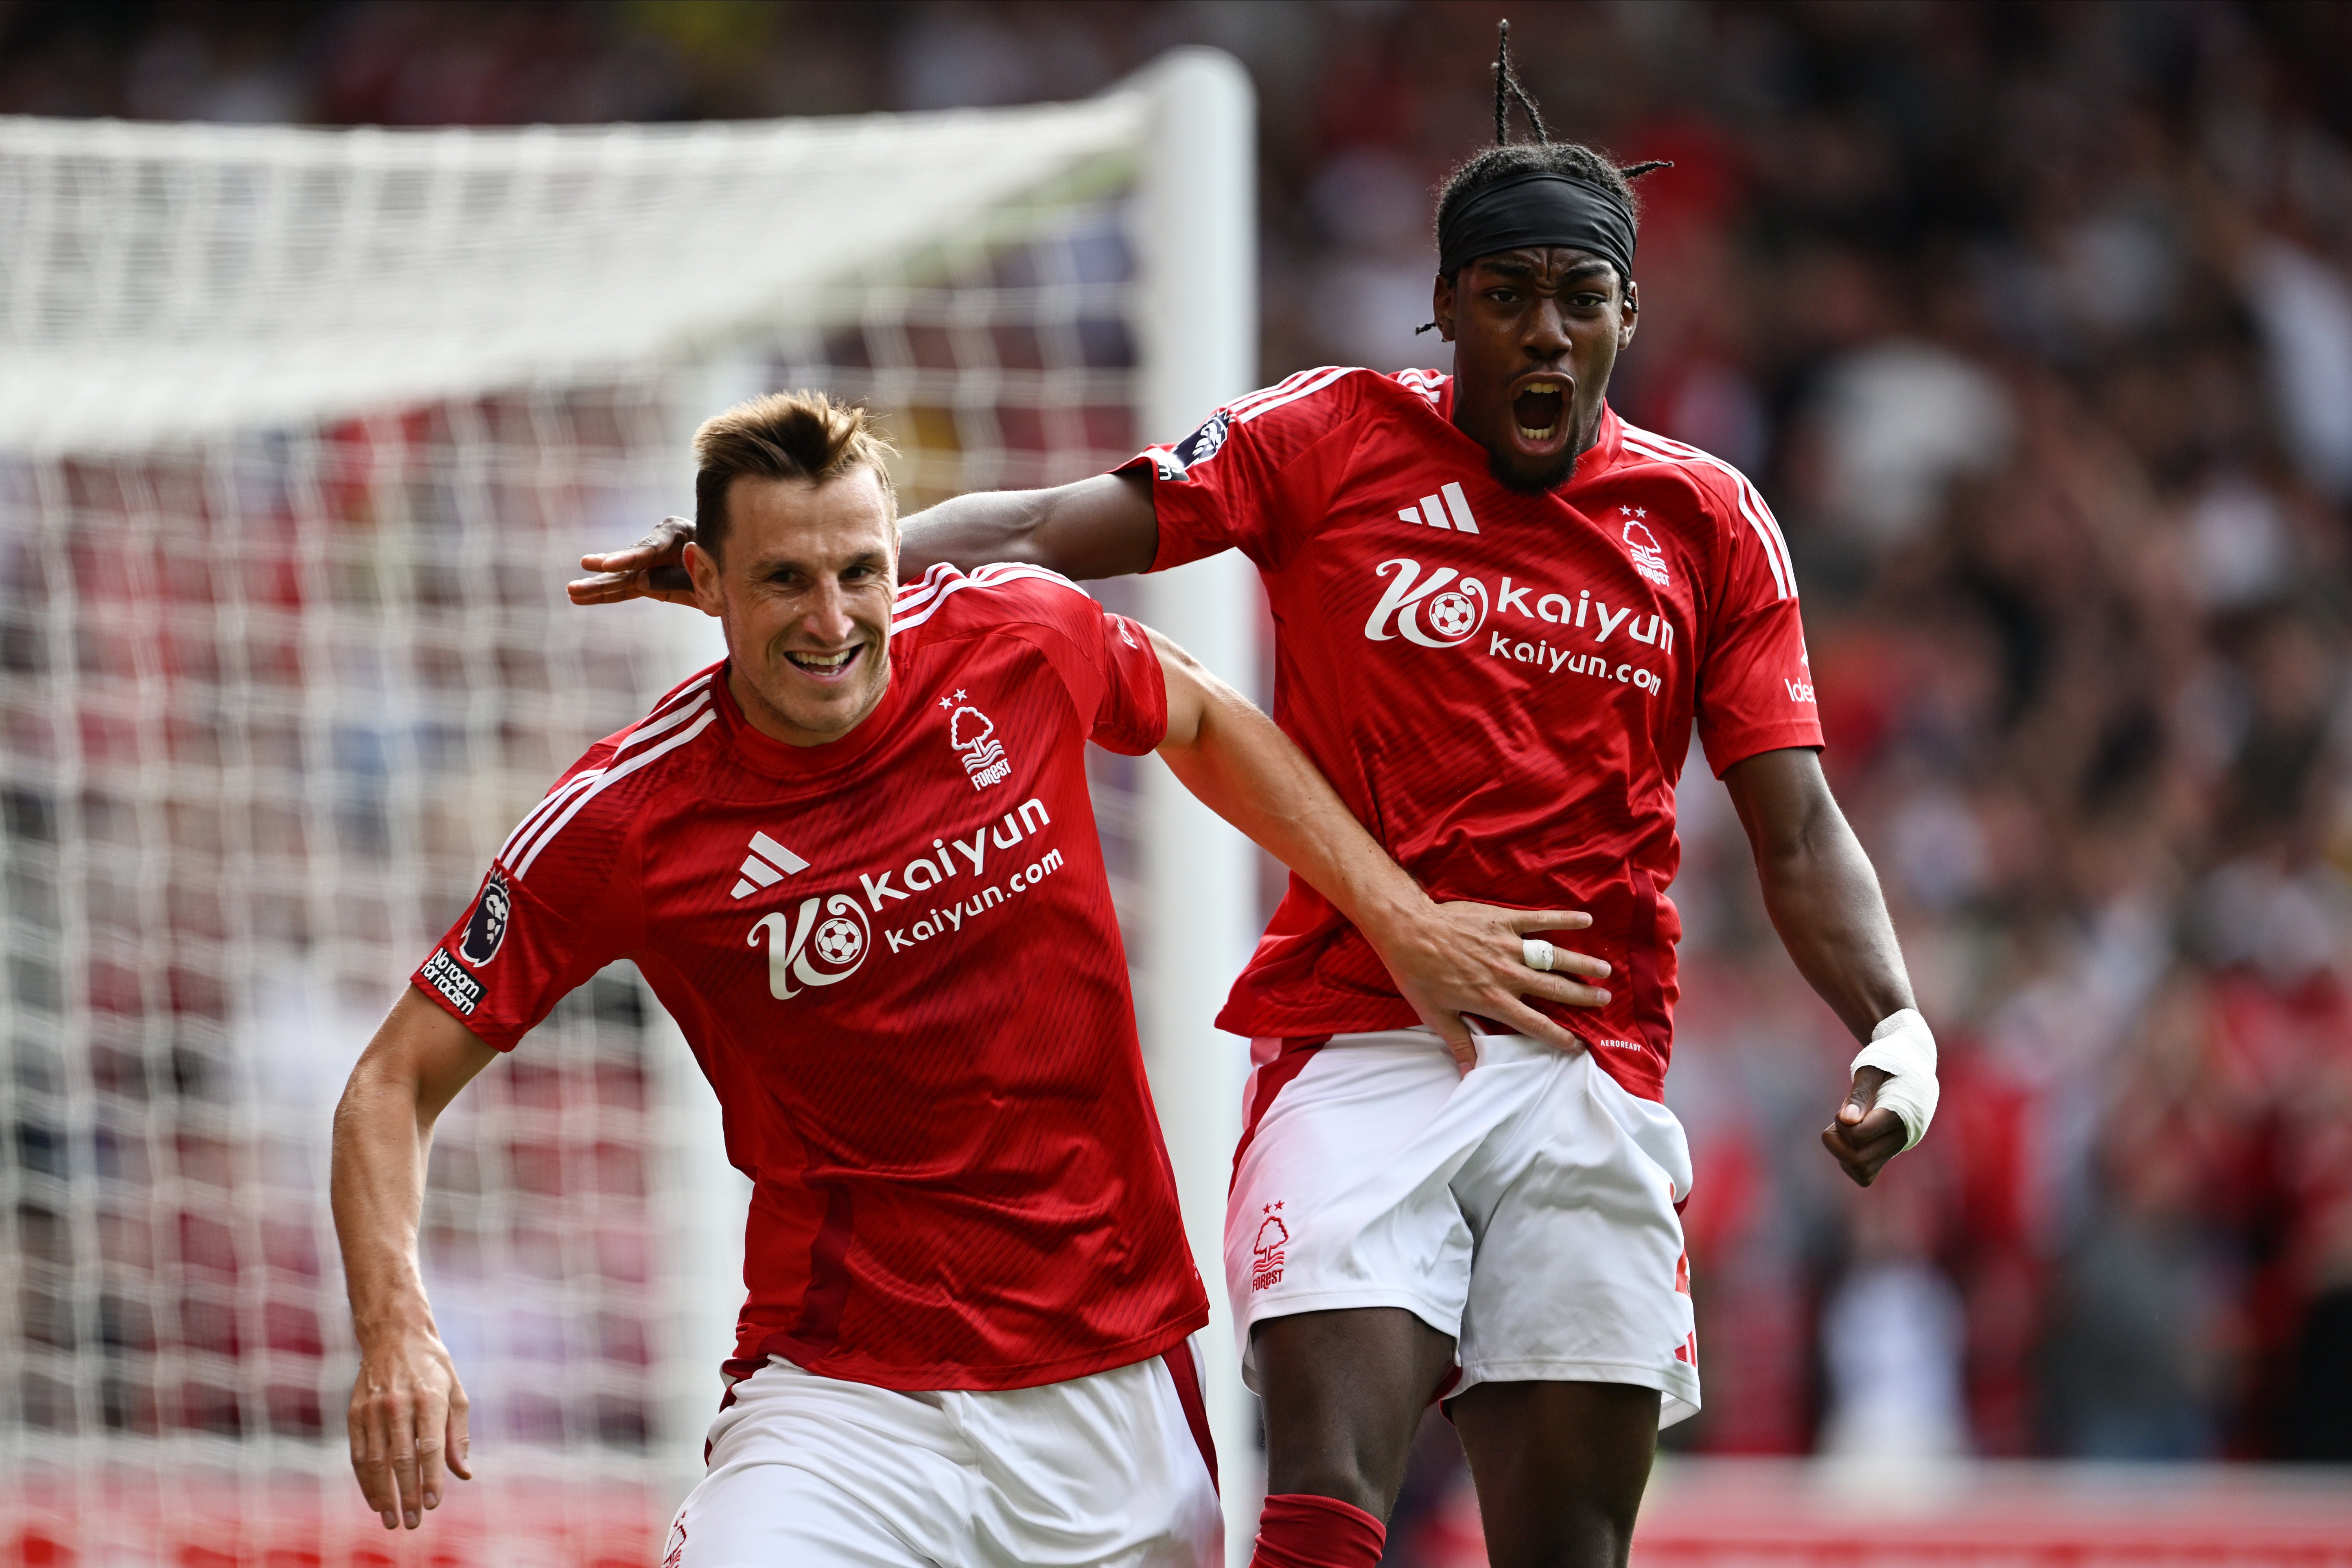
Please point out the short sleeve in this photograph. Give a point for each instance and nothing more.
(1257, 473)
(1755, 682)
(1106, 661)
(541, 923)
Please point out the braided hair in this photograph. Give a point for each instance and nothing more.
(1543, 155)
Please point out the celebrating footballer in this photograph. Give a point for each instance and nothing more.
(856, 861)
(1500, 609)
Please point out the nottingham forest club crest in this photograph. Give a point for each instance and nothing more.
(1641, 545)
(973, 736)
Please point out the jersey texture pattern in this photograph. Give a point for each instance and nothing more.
(1500, 685)
(897, 961)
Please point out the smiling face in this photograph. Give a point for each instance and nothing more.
(1535, 334)
(803, 587)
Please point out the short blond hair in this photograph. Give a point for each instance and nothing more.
(782, 436)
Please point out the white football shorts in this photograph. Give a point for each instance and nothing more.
(1528, 1208)
(1109, 1469)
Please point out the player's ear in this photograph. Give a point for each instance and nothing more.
(1631, 316)
(1441, 307)
(702, 570)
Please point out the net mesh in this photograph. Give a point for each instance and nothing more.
(284, 653)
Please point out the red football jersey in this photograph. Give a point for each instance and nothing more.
(1501, 686)
(896, 958)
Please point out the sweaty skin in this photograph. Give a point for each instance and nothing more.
(1560, 1466)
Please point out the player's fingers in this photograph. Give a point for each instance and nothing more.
(1860, 1171)
(1861, 1160)
(1862, 1096)
(1525, 920)
(461, 1436)
(432, 1439)
(405, 1461)
(1525, 1020)
(370, 1455)
(1556, 987)
(607, 588)
(1564, 962)
(663, 540)
(1457, 1035)
(666, 581)
(1880, 1125)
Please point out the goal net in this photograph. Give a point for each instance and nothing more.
(301, 434)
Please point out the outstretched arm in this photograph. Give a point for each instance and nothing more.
(1101, 527)
(1824, 902)
(1446, 959)
(407, 1416)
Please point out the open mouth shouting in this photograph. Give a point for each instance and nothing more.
(1539, 412)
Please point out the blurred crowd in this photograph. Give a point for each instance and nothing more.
(2034, 323)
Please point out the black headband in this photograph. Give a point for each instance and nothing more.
(1538, 208)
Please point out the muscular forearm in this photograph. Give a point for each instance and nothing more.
(1243, 768)
(1824, 902)
(408, 1410)
(1101, 527)
(382, 1142)
(1826, 905)
(415, 1065)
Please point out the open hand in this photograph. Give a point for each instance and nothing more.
(407, 1425)
(1452, 958)
(1865, 1134)
(651, 568)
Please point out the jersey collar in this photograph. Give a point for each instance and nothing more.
(772, 757)
(1606, 451)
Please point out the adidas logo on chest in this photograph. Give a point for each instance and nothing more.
(1449, 509)
(768, 864)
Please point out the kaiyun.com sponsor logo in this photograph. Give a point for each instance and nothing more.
(1445, 609)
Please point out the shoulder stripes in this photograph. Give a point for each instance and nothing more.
(1659, 448)
(1429, 383)
(1305, 384)
(918, 602)
(674, 721)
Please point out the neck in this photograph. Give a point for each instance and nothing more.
(764, 716)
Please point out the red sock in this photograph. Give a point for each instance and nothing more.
(1298, 1530)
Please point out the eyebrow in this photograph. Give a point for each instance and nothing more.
(1521, 269)
(772, 563)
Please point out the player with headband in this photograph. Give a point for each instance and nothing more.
(1500, 609)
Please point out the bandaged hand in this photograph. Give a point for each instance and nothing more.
(1904, 1049)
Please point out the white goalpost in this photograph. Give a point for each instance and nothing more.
(301, 434)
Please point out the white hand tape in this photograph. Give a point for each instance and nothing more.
(1903, 1048)
(1537, 953)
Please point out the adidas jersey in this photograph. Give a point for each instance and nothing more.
(1501, 686)
(896, 959)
